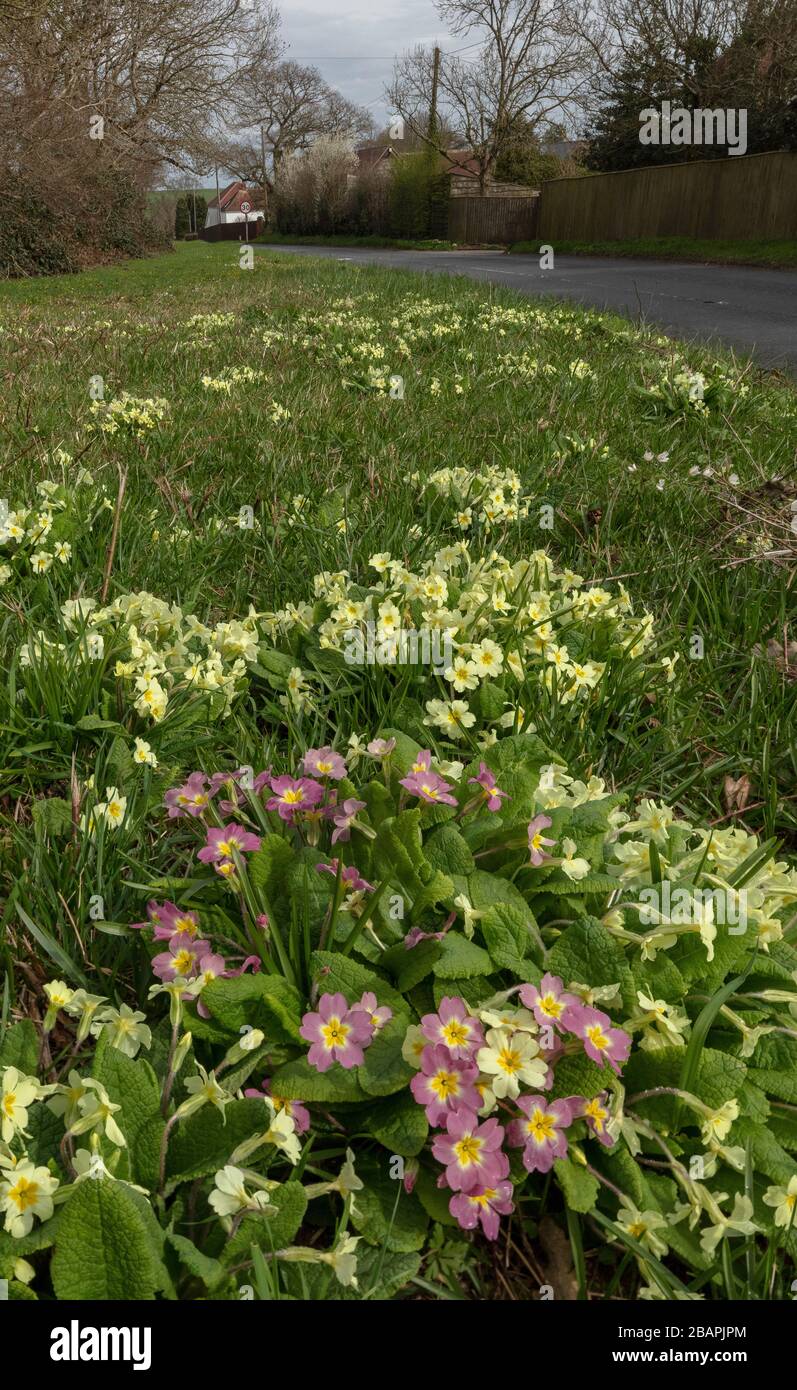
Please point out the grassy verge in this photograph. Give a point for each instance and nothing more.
(705, 553)
(383, 242)
(279, 452)
(776, 254)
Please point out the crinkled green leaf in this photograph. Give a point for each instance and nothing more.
(338, 974)
(102, 1250)
(399, 1123)
(204, 1141)
(203, 1267)
(580, 1188)
(408, 968)
(267, 1002)
(461, 959)
(384, 1214)
(586, 953)
(19, 1047)
(297, 1080)
(384, 1069)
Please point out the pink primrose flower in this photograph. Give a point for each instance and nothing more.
(540, 1131)
(483, 1206)
(454, 1027)
(471, 1152)
(336, 1032)
(444, 1084)
(492, 791)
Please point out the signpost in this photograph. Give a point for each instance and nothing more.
(246, 208)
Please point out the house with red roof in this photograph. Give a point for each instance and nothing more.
(229, 206)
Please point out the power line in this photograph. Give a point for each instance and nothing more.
(368, 57)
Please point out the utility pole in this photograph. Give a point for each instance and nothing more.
(433, 107)
(218, 194)
(265, 181)
(193, 195)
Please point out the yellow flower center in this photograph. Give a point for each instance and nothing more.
(482, 1199)
(24, 1194)
(541, 1126)
(597, 1037)
(551, 1006)
(509, 1060)
(455, 1034)
(597, 1114)
(9, 1101)
(293, 796)
(467, 1150)
(445, 1084)
(335, 1033)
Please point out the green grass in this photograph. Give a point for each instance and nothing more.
(776, 254)
(696, 553)
(701, 537)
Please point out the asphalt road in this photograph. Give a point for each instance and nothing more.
(751, 310)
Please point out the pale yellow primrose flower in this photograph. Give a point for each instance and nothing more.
(126, 1029)
(717, 1123)
(230, 1195)
(58, 996)
(25, 1193)
(203, 1088)
(17, 1092)
(65, 1100)
(96, 1114)
(281, 1133)
(574, 868)
(784, 1200)
(509, 1058)
(84, 1006)
(413, 1045)
(643, 1226)
(142, 753)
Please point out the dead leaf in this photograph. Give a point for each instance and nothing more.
(783, 655)
(558, 1267)
(736, 794)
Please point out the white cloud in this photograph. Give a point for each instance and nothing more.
(353, 45)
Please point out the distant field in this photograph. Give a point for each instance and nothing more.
(157, 195)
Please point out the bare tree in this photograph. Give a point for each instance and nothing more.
(529, 67)
(154, 71)
(289, 106)
(97, 96)
(677, 39)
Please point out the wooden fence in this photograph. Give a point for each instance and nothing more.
(232, 231)
(473, 221)
(741, 197)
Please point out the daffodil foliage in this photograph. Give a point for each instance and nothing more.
(392, 993)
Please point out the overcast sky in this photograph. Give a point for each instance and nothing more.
(353, 42)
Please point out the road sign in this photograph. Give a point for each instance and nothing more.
(246, 207)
